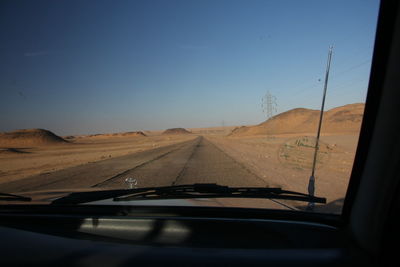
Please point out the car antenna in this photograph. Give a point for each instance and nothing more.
(311, 182)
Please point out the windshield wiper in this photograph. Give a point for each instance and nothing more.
(11, 197)
(187, 192)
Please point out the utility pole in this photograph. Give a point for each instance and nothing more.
(311, 183)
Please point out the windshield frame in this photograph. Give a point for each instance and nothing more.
(380, 58)
(383, 41)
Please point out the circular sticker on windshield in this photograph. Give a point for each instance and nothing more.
(299, 153)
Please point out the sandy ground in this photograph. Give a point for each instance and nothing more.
(278, 160)
(30, 161)
(264, 155)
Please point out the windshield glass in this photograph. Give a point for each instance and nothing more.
(100, 95)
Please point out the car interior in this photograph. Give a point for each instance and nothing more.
(365, 233)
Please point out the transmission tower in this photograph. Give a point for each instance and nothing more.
(268, 105)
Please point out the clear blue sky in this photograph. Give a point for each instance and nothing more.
(79, 67)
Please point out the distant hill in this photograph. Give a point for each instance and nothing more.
(344, 119)
(220, 130)
(30, 137)
(131, 134)
(176, 131)
(123, 134)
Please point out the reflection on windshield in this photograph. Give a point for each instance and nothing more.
(100, 96)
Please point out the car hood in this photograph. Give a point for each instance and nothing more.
(44, 197)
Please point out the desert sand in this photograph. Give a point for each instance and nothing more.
(277, 152)
(47, 153)
(265, 157)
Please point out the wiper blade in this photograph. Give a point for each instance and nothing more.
(218, 191)
(186, 192)
(12, 197)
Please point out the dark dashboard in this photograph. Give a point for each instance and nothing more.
(171, 236)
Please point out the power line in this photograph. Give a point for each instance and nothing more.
(314, 84)
(353, 67)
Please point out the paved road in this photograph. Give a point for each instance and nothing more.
(194, 161)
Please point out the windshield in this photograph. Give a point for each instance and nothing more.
(100, 95)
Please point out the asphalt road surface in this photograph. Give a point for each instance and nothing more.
(194, 161)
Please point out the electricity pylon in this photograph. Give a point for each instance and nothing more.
(268, 105)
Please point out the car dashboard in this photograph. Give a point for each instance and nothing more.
(170, 236)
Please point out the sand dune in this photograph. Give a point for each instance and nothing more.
(30, 137)
(112, 135)
(176, 131)
(344, 119)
